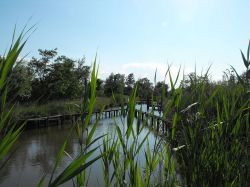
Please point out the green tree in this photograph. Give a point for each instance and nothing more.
(65, 80)
(20, 82)
(100, 87)
(114, 83)
(145, 88)
(40, 69)
(129, 84)
(159, 88)
(82, 71)
(57, 77)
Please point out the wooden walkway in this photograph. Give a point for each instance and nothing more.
(66, 118)
(157, 121)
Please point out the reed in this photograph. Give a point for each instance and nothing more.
(9, 132)
(207, 142)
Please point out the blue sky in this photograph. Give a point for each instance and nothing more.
(135, 35)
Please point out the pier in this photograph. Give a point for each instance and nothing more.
(151, 119)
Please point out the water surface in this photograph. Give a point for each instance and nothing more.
(37, 150)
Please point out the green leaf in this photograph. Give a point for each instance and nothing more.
(93, 141)
(239, 78)
(76, 167)
(177, 77)
(58, 159)
(248, 53)
(41, 182)
(91, 133)
(118, 130)
(142, 143)
(244, 59)
(174, 125)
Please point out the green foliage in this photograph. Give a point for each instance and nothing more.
(8, 130)
(159, 88)
(129, 84)
(100, 87)
(20, 82)
(114, 84)
(246, 59)
(208, 134)
(210, 127)
(145, 88)
(76, 170)
(55, 107)
(57, 76)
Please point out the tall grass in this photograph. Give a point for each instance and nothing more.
(9, 132)
(207, 142)
(76, 170)
(55, 107)
(215, 132)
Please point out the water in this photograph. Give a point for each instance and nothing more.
(144, 109)
(37, 150)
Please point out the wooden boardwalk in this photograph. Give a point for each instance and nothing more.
(66, 118)
(160, 124)
(157, 121)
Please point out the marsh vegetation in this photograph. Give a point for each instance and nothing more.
(207, 142)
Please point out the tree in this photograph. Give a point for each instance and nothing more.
(145, 88)
(57, 76)
(39, 67)
(100, 87)
(65, 80)
(159, 88)
(20, 82)
(129, 84)
(82, 71)
(114, 83)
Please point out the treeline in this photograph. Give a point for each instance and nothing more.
(52, 77)
(56, 77)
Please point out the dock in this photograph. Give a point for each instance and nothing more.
(151, 119)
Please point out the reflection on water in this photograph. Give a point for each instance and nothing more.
(37, 150)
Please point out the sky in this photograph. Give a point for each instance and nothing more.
(136, 36)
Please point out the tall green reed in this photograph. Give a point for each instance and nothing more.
(76, 170)
(9, 131)
(207, 142)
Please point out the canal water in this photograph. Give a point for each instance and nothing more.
(37, 149)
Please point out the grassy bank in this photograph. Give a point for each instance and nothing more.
(30, 110)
